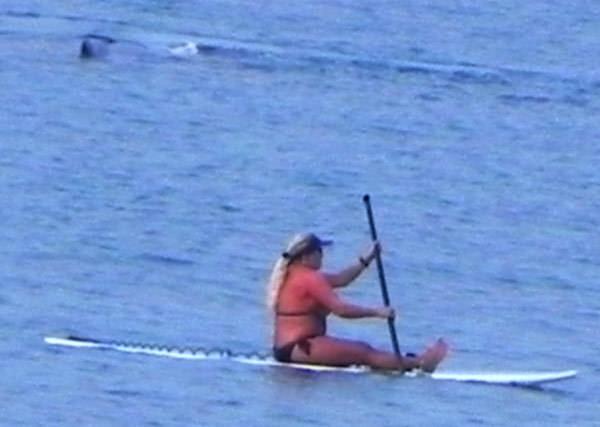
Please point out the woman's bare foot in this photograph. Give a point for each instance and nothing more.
(433, 356)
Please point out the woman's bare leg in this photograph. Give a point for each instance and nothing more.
(331, 351)
(324, 350)
(427, 361)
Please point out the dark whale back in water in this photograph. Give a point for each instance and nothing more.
(94, 46)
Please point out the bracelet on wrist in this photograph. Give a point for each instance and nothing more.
(363, 262)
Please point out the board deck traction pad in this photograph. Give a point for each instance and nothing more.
(525, 378)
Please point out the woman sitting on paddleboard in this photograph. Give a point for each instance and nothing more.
(301, 297)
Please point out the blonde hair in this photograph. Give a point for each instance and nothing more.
(296, 245)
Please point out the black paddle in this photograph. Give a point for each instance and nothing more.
(384, 292)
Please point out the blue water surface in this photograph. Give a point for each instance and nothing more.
(146, 195)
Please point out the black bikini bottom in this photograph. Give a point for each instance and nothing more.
(284, 353)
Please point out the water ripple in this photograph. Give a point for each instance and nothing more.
(164, 259)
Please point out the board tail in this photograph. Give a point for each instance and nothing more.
(148, 349)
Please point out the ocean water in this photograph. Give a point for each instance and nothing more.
(146, 194)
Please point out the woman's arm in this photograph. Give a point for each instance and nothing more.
(324, 295)
(347, 275)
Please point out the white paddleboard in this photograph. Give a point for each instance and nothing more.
(501, 378)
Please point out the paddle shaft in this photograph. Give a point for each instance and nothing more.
(384, 291)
